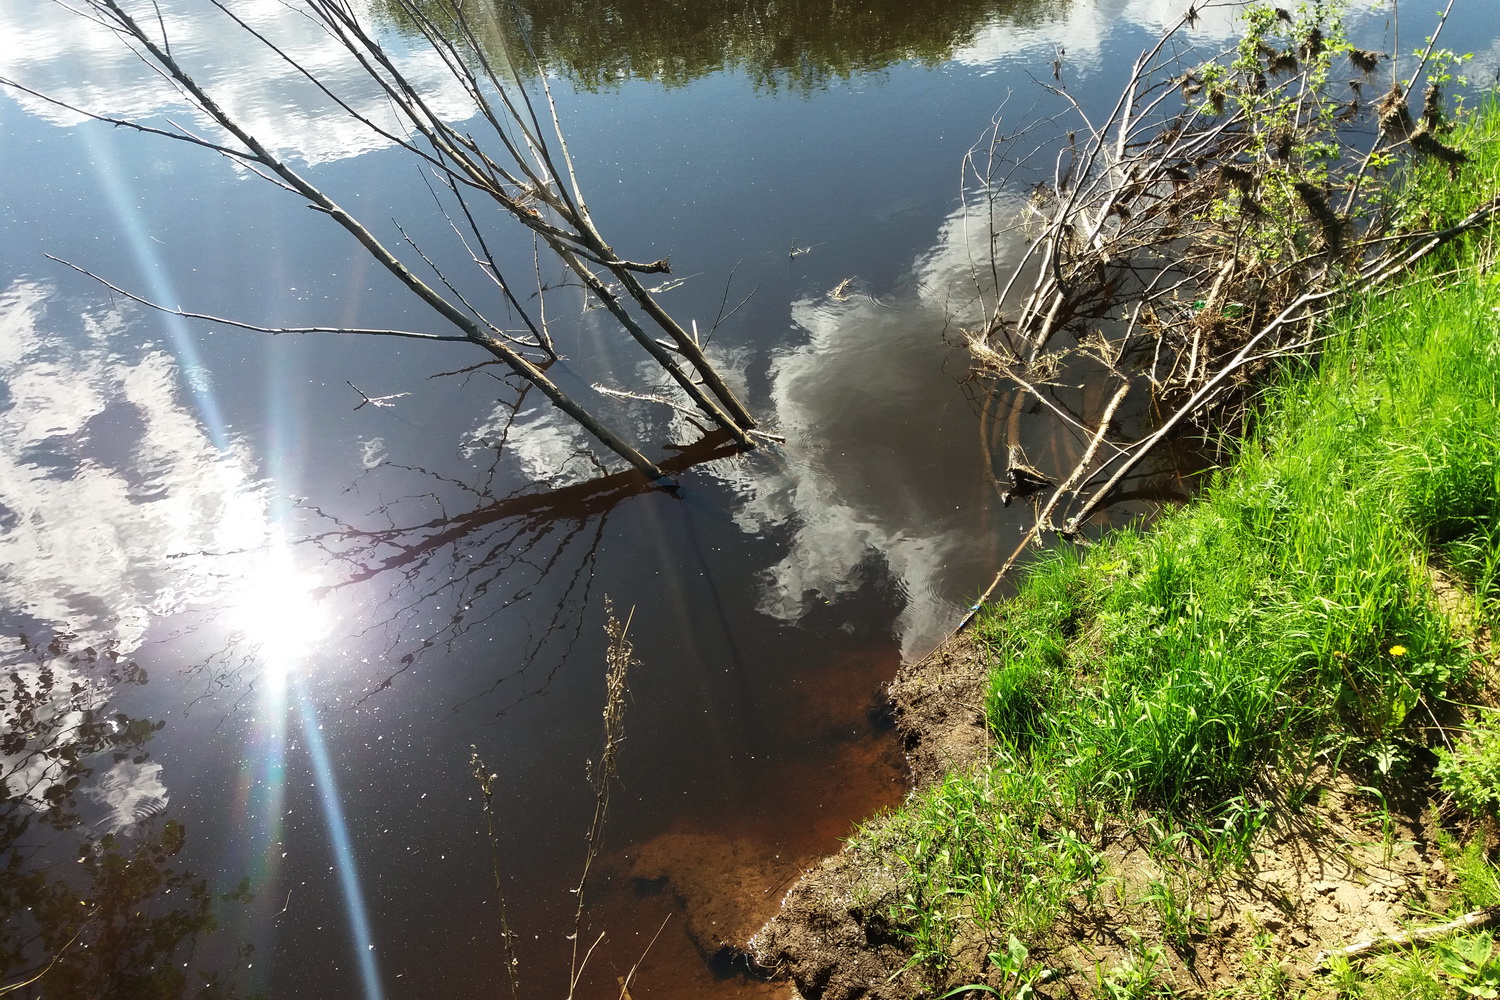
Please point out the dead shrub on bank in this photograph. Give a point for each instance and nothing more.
(1196, 233)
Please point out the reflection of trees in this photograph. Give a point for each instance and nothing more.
(89, 916)
(799, 44)
(450, 572)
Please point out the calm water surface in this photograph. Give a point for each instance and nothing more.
(336, 603)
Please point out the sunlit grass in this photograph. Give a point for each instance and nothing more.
(1285, 617)
(1291, 603)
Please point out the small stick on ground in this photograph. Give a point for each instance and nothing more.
(1477, 920)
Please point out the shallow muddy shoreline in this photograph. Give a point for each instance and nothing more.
(830, 938)
(1333, 877)
(1245, 754)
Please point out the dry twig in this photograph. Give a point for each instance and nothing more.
(1199, 229)
(1477, 920)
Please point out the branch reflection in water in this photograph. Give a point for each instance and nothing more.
(479, 562)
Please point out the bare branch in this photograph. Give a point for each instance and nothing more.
(341, 21)
(242, 325)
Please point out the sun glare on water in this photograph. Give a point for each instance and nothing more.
(278, 612)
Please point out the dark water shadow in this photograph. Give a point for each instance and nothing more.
(530, 544)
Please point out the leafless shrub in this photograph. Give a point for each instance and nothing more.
(519, 164)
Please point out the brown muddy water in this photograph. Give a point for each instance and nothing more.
(335, 603)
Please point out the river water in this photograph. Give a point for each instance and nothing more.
(337, 602)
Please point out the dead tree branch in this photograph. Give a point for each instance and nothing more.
(525, 171)
(1196, 232)
(1477, 920)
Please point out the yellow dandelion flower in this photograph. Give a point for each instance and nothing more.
(1398, 650)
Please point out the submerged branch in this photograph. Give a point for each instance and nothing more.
(1190, 237)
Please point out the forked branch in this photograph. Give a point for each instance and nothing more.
(527, 173)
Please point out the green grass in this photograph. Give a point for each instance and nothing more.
(985, 850)
(1463, 966)
(1284, 617)
(1478, 878)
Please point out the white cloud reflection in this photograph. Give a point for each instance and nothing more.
(49, 48)
(113, 498)
(131, 792)
(1084, 29)
(856, 402)
(549, 446)
(850, 490)
(841, 490)
(112, 490)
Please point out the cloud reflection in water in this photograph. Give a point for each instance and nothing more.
(873, 416)
(42, 44)
(116, 497)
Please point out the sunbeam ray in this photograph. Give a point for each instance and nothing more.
(343, 850)
(112, 176)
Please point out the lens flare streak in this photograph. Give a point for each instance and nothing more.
(111, 173)
(288, 636)
(343, 850)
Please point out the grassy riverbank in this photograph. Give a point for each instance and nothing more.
(1233, 740)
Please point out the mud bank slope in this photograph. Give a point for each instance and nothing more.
(832, 937)
(1335, 872)
(1208, 758)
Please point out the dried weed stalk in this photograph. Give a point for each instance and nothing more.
(618, 658)
(486, 779)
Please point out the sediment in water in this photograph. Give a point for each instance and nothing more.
(832, 937)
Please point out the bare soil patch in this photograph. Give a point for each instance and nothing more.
(1337, 864)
